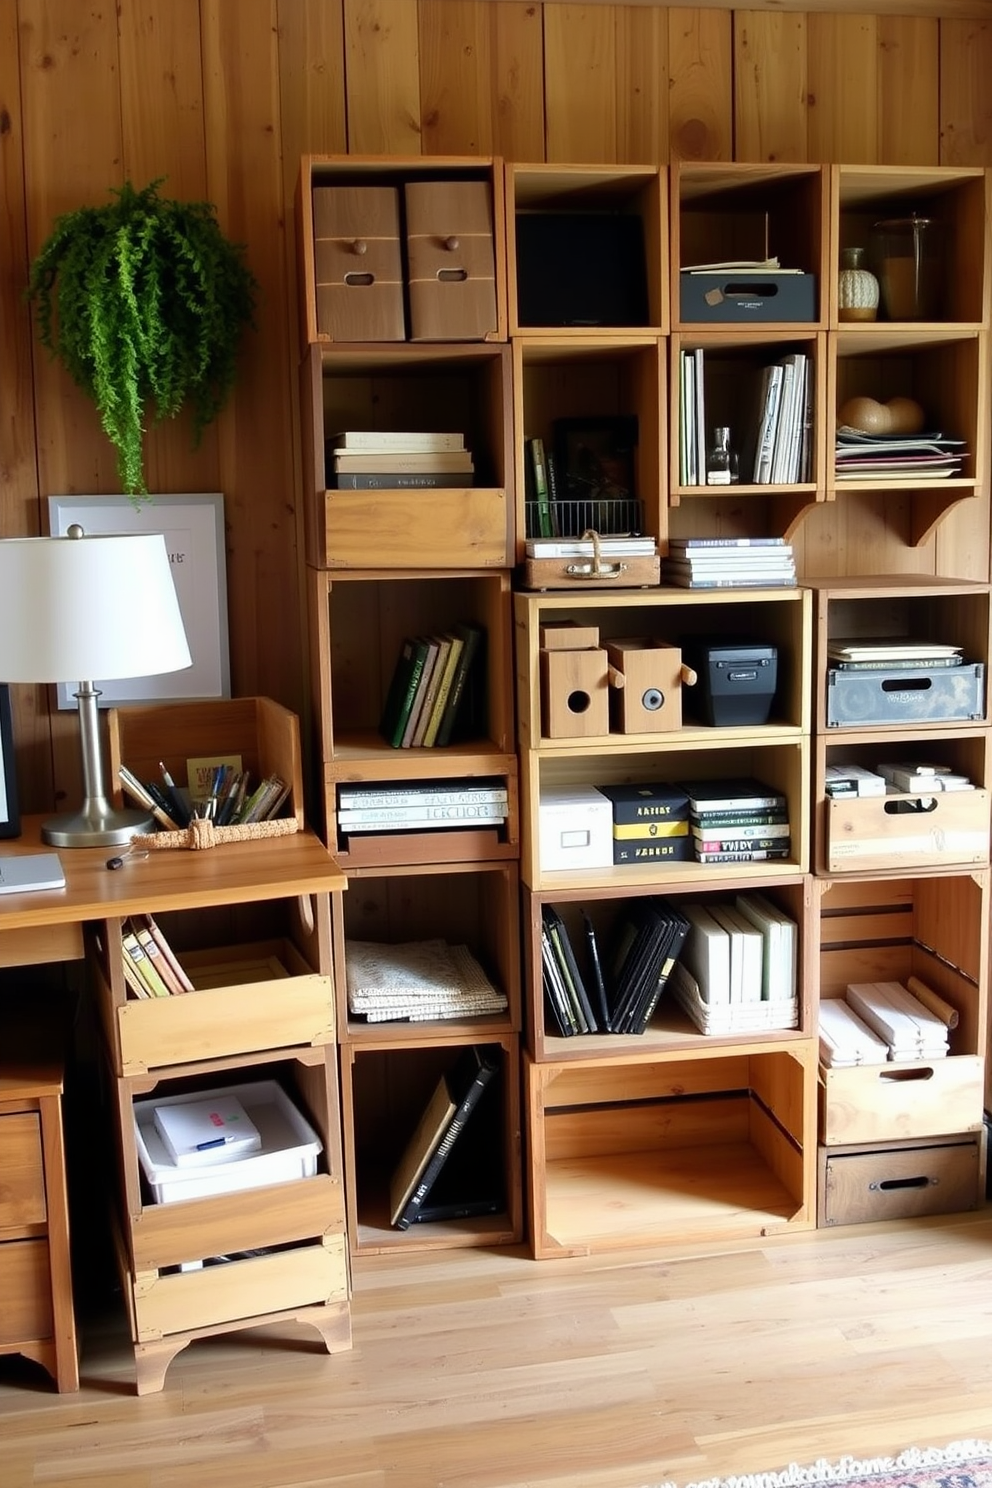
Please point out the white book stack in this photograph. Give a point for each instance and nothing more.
(911, 1031)
(845, 1039)
(715, 563)
(854, 780)
(780, 957)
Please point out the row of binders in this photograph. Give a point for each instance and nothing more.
(428, 688)
(884, 1022)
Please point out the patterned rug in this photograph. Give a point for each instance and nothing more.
(963, 1464)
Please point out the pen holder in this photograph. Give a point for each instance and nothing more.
(202, 833)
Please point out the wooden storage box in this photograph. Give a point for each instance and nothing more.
(901, 1180)
(892, 1102)
(868, 834)
(264, 733)
(585, 573)
(249, 998)
(358, 269)
(451, 264)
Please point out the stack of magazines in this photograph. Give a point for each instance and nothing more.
(869, 457)
(729, 563)
(418, 981)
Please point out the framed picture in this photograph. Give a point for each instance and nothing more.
(10, 817)
(595, 462)
(194, 535)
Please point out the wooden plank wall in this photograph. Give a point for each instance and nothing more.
(222, 97)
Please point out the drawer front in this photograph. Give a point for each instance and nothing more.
(22, 1172)
(416, 529)
(869, 834)
(240, 1289)
(892, 1102)
(25, 1286)
(904, 1182)
(450, 261)
(358, 263)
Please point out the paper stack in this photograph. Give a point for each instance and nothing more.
(845, 1040)
(909, 1029)
(418, 981)
(198, 1132)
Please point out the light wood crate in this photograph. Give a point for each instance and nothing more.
(263, 732)
(866, 834)
(891, 1102)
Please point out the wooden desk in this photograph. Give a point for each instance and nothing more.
(35, 927)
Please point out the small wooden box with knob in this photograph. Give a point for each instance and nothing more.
(450, 260)
(358, 264)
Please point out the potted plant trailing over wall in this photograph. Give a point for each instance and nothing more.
(144, 301)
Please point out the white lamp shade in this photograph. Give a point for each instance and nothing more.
(78, 608)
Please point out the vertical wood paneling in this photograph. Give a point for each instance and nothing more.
(843, 89)
(162, 121)
(580, 82)
(244, 178)
(770, 110)
(19, 507)
(965, 94)
(456, 77)
(642, 66)
(383, 72)
(311, 82)
(518, 81)
(700, 75)
(909, 90)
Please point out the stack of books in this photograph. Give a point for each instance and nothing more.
(891, 653)
(151, 966)
(435, 805)
(368, 459)
(871, 457)
(729, 563)
(416, 982)
(428, 687)
(845, 1040)
(737, 821)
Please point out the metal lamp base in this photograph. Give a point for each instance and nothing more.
(97, 825)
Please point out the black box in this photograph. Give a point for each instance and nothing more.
(581, 269)
(735, 297)
(735, 683)
(916, 695)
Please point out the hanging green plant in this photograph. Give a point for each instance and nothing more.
(144, 301)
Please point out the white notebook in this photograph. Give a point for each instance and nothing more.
(21, 872)
(199, 1132)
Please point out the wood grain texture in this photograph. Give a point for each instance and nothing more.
(909, 90)
(580, 83)
(481, 1369)
(700, 97)
(843, 86)
(382, 60)
(965, 99)
(456, 77)
(518, 81)
(770, 86)
(642, 66)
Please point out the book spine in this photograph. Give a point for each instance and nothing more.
(732, 844)
(434, 723)
(418, 653)
(157, 961)
(706, 544)
(759, 855)
(704, 810)
(372, 800)
(470, 811)
(402, 480)
(185, 985)
(759, 581)
(748, 830)
(390, 439)
(150, 977)
(424, 690)
(539, 470)
(471, 637)
(719, 820)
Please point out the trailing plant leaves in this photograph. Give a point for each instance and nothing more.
(144, 302)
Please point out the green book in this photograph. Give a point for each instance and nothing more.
(402, 690)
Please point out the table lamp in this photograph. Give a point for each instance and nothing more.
(82, 607)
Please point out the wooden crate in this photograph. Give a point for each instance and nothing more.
(901, 1180)
(264, 733)
(891, 1102)
(249, 998)
(870, 833)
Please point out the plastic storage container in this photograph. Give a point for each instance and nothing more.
(289, 1150)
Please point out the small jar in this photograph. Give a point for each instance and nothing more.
(721, 461)
(857, 287)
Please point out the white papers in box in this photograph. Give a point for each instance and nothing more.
(197, 1132)
(289, 1147)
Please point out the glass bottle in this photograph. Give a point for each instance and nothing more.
(722, 467)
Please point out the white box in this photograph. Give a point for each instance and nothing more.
(289, 1149)
(575, 828)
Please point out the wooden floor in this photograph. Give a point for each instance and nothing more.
(489, 1370)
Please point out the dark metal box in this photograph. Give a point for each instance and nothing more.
(739, 298)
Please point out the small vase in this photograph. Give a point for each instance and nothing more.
(857, 287)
